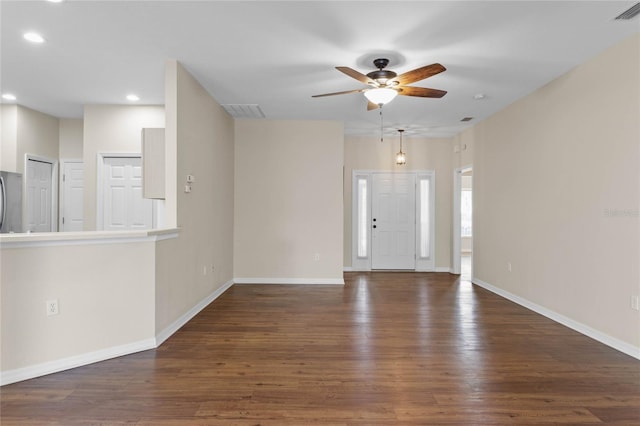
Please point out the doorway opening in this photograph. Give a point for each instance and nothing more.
(463, 223)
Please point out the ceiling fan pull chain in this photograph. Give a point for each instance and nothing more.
(381, 125)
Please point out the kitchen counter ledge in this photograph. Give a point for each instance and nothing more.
(34, 239)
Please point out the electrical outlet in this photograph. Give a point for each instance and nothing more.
(52, 307)
(635, 302)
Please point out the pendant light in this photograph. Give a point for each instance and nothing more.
(401, 157)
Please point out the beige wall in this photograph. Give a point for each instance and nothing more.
(8, 145)
(111, 129)
(549, 172)
(26, 131)
(288, 199)
(463, 143)
(467, 181)
(368, 153)
(37, 135)
(71, 138)
(104, 293)
(201, 135)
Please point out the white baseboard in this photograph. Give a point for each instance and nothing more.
(177, 324)
(347, 269)
(30, 372)
(311, 281)
(443, 269)
(25, 373)
(601, 337)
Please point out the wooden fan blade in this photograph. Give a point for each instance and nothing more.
(419, 74)
(355, 74)
(340, 93)
(422, 92)
(371, 105)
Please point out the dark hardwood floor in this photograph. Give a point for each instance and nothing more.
(386, 349)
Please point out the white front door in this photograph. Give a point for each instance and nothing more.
(124, 207)
(39, 195)
(72, 196)
(393, 217)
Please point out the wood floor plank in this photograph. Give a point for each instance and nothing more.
(385, 349)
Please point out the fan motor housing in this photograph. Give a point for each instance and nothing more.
(381, 75)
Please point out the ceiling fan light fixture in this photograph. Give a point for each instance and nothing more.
(381, 95)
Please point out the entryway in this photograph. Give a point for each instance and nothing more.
(393, 220)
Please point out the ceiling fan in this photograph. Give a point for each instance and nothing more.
(385, 84)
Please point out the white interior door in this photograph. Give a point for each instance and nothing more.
(124, 207)
(73, 196)
(393, 213)
(39, 195)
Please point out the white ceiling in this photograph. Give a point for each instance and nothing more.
(278, 54)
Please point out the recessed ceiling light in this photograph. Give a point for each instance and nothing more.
(479, 96)
(33, 37)
(55, 1)
(133, 98)
(9, 97)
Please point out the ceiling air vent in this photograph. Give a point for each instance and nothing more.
(467, 119)
(244, 110)
(630, 13)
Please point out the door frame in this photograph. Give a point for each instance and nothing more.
(364, 263)
(457, 237)
(100, 187)
(54, 190)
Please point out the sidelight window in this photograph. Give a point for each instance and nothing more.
(363, 218)
(425, 213)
